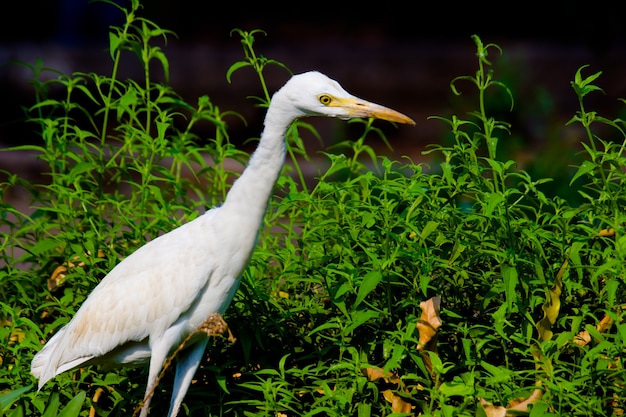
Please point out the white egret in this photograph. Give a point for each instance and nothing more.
(157, 296)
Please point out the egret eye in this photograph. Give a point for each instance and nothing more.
(325, 99)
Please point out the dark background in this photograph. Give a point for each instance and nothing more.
(402, 56)
(598, 24)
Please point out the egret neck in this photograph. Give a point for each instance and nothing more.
(250, 193)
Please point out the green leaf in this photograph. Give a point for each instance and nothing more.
(235, 67)
(574, 257)
(511, 279)
(73, 407)
(493, 200)
(53, 406)
(397, 353)
(364, 410)
(497, 374)
(80, 168)
(164, 62)
(326, 326)
(499, 320)
(438, 366)
(370, 281)
(540, 409)
(16, 412)
(428, 229)
(359, 318)
(610, 289)
(222, 382)
(9, 398)
(456, 388)
(43, 245)
(585, 86)
(114, 43)
(584, 169)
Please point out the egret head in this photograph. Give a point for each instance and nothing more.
(314, 94)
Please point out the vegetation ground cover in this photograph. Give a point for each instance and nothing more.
(387, 288)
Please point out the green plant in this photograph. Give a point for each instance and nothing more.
(124, 164)
(330, 315)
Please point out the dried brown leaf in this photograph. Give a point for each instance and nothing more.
(429, 323)
(605, 324)
(94, 400)
(607, 232)
(492, 410)
(518, 405)
(57, 277)
(584, 338)
(398, 405)
(374, 374)
(522, 404)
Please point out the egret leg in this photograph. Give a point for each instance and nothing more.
(186, 365)
(159, 354)
(152, 377)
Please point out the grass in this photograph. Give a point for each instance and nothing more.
(387, 288)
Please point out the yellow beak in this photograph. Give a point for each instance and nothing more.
(357, 107)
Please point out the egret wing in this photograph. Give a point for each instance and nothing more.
(141, 297)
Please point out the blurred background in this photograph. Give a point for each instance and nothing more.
(402, 56)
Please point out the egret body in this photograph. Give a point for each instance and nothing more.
(157, 296)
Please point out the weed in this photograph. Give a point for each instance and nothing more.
(331, 313)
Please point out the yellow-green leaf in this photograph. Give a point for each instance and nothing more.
(552, 306)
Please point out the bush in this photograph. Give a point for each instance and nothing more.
(387, 288)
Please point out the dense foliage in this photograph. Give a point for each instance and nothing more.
(525, 294)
